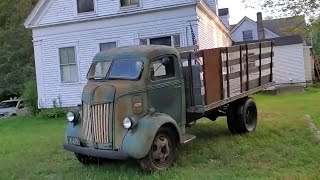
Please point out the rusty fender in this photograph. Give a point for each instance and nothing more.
(138, 141)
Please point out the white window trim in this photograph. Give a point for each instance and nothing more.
(108, 40)
(160, 36)
(85, 14)
(76, 49)
(128, 8)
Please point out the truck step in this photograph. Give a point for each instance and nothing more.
(188, 138)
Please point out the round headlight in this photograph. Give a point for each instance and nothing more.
(127, 123)
(71, 116)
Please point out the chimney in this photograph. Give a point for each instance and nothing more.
(260, 29)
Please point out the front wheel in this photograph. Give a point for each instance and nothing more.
(163, 152)
(242, 116)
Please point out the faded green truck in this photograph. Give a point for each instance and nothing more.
(139, 100)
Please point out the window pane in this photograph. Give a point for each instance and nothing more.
(71, 55)
(129, 2)
(143, 42)
(166, 41)
(85, 6)
(126, 69)
(163, 68)
(63, 56)
(69, 73)
(176, 40)
(99, 70)
(106, 46)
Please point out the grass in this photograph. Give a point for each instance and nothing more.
(283, 147)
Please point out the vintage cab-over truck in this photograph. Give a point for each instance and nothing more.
(139, 100)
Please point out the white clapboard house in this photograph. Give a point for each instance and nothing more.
(67, 34)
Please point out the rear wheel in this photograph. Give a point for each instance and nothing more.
(163, 152)
(87, 160)
(242, 116)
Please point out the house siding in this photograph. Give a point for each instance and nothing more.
(289, 65)
(86, 37)
(247, 25)
(66, 11)
(210, 34)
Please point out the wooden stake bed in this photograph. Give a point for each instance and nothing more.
(230, 73)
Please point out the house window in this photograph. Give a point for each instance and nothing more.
(85, 6)
(162, 68)
(68, 65)
(173, 41)
(106, 46)
(126, 3)
(247, 35)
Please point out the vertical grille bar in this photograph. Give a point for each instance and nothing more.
(96, 124)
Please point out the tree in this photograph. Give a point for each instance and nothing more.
(16, 49)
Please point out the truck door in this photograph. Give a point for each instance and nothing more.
(165, 89)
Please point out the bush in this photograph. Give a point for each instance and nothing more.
(52, 113)
(30, 95)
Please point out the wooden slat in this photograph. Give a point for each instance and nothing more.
(194, 55)
(253, 46)
(255, 83)
(232, 49)
(188, 48)
(266, 44)
(251, 70)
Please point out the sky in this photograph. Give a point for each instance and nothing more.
(238, 10)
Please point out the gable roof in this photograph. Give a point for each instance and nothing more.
(37, 12)
(277, 26)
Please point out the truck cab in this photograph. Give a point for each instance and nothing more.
(133, 103)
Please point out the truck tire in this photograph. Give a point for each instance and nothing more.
(242, 116)
(87, 160)
(163, 152)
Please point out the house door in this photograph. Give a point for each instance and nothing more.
(165, 87)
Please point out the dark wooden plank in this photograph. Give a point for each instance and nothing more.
(212, 70)
(194, 55)
(241, 72)
(253, 46)
(255, 83)
(233, 49)
(260, 66)
(233, 62)
(271, 69)
(266, 44)
(247, 67)
(228, 79)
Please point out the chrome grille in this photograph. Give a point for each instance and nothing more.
(96, 124)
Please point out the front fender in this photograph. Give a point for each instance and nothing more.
(72, 131)
(138, 141)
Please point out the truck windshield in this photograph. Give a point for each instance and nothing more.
(10, 104)
(126, 69)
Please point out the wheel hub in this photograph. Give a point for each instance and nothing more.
(160, 149)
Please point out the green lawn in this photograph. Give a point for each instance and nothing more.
(282, 148)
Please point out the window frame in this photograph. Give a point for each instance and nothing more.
(176, 69)
(130, 6)
(103, 42)
(76, 51)
(156, 37)
(95, 7)
(245, 39)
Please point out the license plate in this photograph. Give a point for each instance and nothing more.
(74, 141)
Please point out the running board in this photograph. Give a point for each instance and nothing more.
(186, 138)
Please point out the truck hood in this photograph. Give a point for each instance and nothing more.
(95, 93)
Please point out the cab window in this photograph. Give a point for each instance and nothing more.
(163, 68)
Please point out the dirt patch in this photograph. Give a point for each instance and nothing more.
(313, 127)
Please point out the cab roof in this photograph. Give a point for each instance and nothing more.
(135, 52)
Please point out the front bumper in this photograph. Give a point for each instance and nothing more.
(116, 155)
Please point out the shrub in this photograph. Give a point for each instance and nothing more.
(31, 97)
(52, 113)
